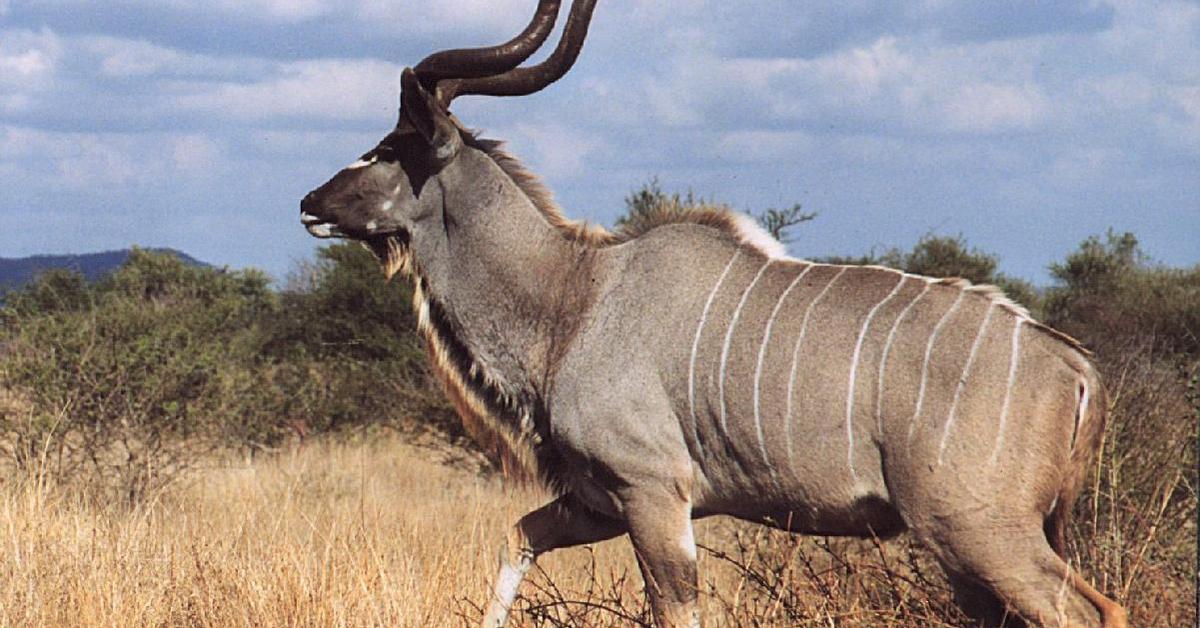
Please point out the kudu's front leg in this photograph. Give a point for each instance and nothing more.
(660, 526)
(561, 523)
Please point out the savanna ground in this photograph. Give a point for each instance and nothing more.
(185, 446)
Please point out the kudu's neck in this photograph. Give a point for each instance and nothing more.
(511, 286)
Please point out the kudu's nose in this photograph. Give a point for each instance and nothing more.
(309, 209)
(306, 203)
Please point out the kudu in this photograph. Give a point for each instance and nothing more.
(688, 368)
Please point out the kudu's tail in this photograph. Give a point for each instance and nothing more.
(1091, 414)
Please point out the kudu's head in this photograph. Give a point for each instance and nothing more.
(385, 198)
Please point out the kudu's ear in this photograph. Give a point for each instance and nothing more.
(420, 107)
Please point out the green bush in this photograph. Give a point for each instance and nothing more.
(130, 381)
(123, 378)
(1109, 293)
(947, 256)
(342, 350)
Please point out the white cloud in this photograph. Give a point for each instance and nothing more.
(26, 55)
(861, 73)
(58, 162)
(287, 10)
(765, 146)
(555, 151)
(985, 107)
(1123, 91)
(28, 67)
(195, 153)
(331, 89)
(1082, 166)
(1179, 123)
(25, 65)
(267, 10)
(125, 58)
(504, 18)
(912, 85)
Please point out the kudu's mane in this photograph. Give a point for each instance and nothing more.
(734, 225)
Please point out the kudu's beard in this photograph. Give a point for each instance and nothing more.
(393, 253)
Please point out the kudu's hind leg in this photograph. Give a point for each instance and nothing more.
(1018, 564)
(561, 523)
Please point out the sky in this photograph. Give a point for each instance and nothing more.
(1024, 126)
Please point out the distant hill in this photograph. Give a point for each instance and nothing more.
(15, 272)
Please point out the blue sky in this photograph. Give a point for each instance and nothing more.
(1025, 126)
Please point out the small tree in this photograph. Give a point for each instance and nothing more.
(778, 222)
(651, 201)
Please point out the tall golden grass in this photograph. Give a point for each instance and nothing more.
(385, 533)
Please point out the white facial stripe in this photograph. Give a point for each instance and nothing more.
(1012, 376)
(762, 352)
(737, 313)
(887, 347)
(962, 381)
(696, 344)
(937, 329)
(362, 163)
(862, 333)
(787, 423)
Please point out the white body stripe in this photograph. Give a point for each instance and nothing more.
(696, 345)
(962, 381)
(762, 352)
(887, 348)
(1012, 376)
(787, 423)
(737, 313)
(862, 333)
(937, 329)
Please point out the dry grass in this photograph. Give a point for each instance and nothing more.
(383, 533)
